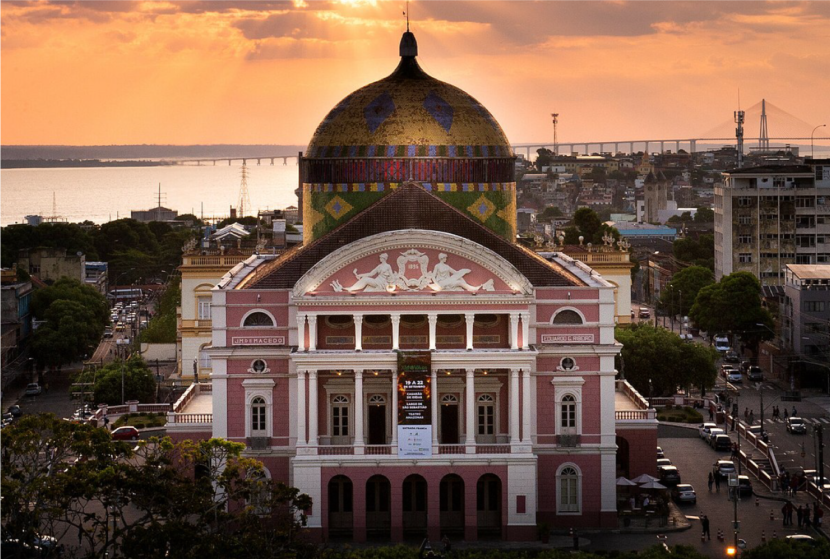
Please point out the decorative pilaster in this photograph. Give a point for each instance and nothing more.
(470, 408)
(358, 332)
(526, 407)
(358, 411)
(396, 332)
(433, 322)
(433, 389)
(301, 421)
(312, 332)
(470, 319)
(301, 332)
(525, 330)
(395, 409)
(312, 409)
(514, 330)
(514, 406)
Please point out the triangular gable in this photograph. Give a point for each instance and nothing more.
(408, 207)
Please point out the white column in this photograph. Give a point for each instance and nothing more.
(433, 322)
(470, 405)
(395, 410)
(526, 406)
(301, 440)
(514, 406)
(312, 409)
(358, 411)
(396, 335)
(312, 332)
(525, 330)
(469, 318)
(433, 390)
(514, 330)
(358, 332)
(301, 332)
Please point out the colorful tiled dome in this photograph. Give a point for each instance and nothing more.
(408, 127)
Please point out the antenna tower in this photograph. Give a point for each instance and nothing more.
(244, 199)
(763, 140)
(739, 135)
(159, 199)
(54, 218)
(555, 117)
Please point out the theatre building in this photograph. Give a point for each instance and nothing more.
(411, 367)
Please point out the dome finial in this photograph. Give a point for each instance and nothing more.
(409, 46)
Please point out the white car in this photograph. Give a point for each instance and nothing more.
(704, 428)
(33, 389)
(721, 343)
(714, 432)
(734, 376)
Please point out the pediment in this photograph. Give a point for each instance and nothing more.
(412, 262)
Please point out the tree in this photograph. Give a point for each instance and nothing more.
(75, 315)
(249, 220)
(733, 305)
(68, 236)
(549, 213)
(775, 549)
(680, 293)
(139, 381)
(699, 252)
(154, 505)
(544, 157)
(162, 327)
(704, 215)
(657, 361)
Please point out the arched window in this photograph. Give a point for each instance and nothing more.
(258, 417)
(568, 413)
(377, 400)
(259, 319)
(486, 415)
(260, 491)
(567, 316)
(204, 358)
(449, 399)
(568, 484)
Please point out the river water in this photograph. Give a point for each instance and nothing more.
(101, 194)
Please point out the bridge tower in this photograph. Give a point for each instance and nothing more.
(763, 139)
(244, 198)
(739, 135)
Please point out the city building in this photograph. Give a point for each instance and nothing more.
(95, 276)
(159, 213)
(805, 312)
(771, 216)
(411, 367)
(52, 264)
(615, 267)
(16, 314)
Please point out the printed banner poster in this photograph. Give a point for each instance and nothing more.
(414, 410)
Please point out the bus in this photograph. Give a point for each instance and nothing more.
(125, 295)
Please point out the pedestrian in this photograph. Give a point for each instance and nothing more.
(711, 481)
(794, 413)
(711, 414)
(705, 522)
(786, 415)
(746, 415)
(799, 512)
(751, 418)
(717, 482)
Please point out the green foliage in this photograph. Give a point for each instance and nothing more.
(680, 293)
(139, 381)
(550, 212)
(247, 220)
(776, 549)
(705, 215)
(588, 225)
(158, 507)
(75, 315)
(698, 253)
(679, 415)
(685, 217)
(544, 157)
(162, 327)
(52, 235)
(733, 305)
(660, 356)
(190, 217)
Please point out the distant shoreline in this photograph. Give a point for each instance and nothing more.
(72, 163)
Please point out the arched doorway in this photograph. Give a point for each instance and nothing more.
(451, 504)
(414, 503)
(378, 507)
(488, 505)
(341, 516)
(623, 458)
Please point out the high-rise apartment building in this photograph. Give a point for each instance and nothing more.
(768, 217)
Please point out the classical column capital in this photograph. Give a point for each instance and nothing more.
(312, 374)
(432, 317)
(358, 373)
(312, 318)
(395, 317)
(470, 372)
(358, 318)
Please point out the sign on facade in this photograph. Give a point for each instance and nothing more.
(567, 338)
(414, 411)
(258, 340)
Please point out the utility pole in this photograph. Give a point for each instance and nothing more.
(820, 437)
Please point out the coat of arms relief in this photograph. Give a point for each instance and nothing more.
(413, 274)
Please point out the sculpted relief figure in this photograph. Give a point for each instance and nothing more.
(445, 278)
(382, 278)
(413, 275)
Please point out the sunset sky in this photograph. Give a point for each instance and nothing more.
(121, 72)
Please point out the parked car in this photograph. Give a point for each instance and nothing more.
(684, 493)
(108, 332)
(755, 373)
(660, 452)
(723, 468)
(663, 462)
(33, 389)
(744, 485)
(15, 411)
(714, 432)
(722, 442)
(669, 475)
(803, 539)
(745, 364)
(704, 428)
(731, 357)
(126, 433)
(734, 376)
(796, 425)
(721, 343)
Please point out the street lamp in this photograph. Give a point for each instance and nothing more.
(812, 154)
